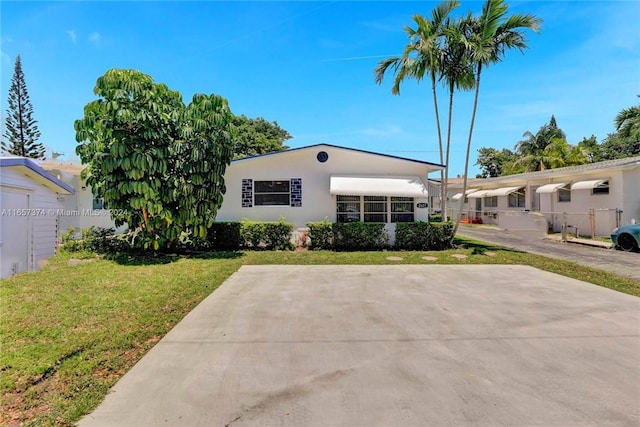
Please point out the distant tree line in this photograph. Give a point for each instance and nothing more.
(548, 148)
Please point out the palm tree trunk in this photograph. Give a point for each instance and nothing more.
(466, 161)
(446, 174)
(435, 104)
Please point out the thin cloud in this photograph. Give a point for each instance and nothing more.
(72, 36)
(358, 58)
(6, 60)
(95, 38)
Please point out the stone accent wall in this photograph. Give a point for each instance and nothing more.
(296, 192)
(247, 193)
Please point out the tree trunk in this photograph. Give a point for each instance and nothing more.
(466, 161)
(446, 175)
(435, 104)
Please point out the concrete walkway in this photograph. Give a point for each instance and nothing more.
(399, 345)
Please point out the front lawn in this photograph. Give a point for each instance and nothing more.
(71, 330)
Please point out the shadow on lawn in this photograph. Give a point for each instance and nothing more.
(480, 247)
(154, 258)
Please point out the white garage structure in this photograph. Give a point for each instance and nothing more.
(29, 202)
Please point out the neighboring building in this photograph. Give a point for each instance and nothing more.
(325, 181)
(83, 210)
(591, 199)
(30, 201)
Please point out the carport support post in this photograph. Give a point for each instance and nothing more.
(564, 226)
(592, 223)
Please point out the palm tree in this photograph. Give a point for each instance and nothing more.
(457, 73)
(628, 122)
(487, 39)
(423, 54)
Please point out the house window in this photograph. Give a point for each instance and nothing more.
(98, 203)
(491, 202)
(271, 193)
(517, 199)
(348, 208)
(601, 189)
(375, 209)
(564, 194)
(402, 209)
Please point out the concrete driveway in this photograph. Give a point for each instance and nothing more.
(393, 345)
(626, 264)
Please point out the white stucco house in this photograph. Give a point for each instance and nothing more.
(322, 181)
(591, 199)
(31, 203)
(300, 185)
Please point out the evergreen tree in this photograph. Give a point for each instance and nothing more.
(21, 133)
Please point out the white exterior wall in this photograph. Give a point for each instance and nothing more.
(604, 205)
(26, 240)
(631, 196)
(78, 208)
(317, 202)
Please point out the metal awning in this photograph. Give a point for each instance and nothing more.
(478, 194)
(550, 188)
(458, 196)
(377, 186)
(502, 191)
(587, 185)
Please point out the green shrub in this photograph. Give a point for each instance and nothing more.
(321, 234)
(267, 234)
(252, 233)
(225, 236)
(95, 239)
(359, 236)
(423, 235)
(277, 235)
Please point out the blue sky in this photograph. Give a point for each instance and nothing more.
(309, 66)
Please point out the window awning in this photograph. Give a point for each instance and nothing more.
(374, 186)
(458, 196)
(587, 185)
(550, 188)
(502, 191)
(478, 194)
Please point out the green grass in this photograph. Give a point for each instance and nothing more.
(68, 333)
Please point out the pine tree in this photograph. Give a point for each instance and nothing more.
(21, 132)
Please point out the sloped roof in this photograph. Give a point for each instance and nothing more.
(569, 170)
(38, 172)
(276, 153)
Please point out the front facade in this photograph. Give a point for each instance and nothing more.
(324, 181)
(589, 199)
(31, 204)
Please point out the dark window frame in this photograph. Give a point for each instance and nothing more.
(276, 192)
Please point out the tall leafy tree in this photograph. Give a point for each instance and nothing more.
(257, 136)
(159, 164)
(546, 149)
(492, 162)
(21, 130)
(487, 39)
(423, 55)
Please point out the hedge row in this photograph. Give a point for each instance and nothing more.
(230, 236)
(360, 236)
